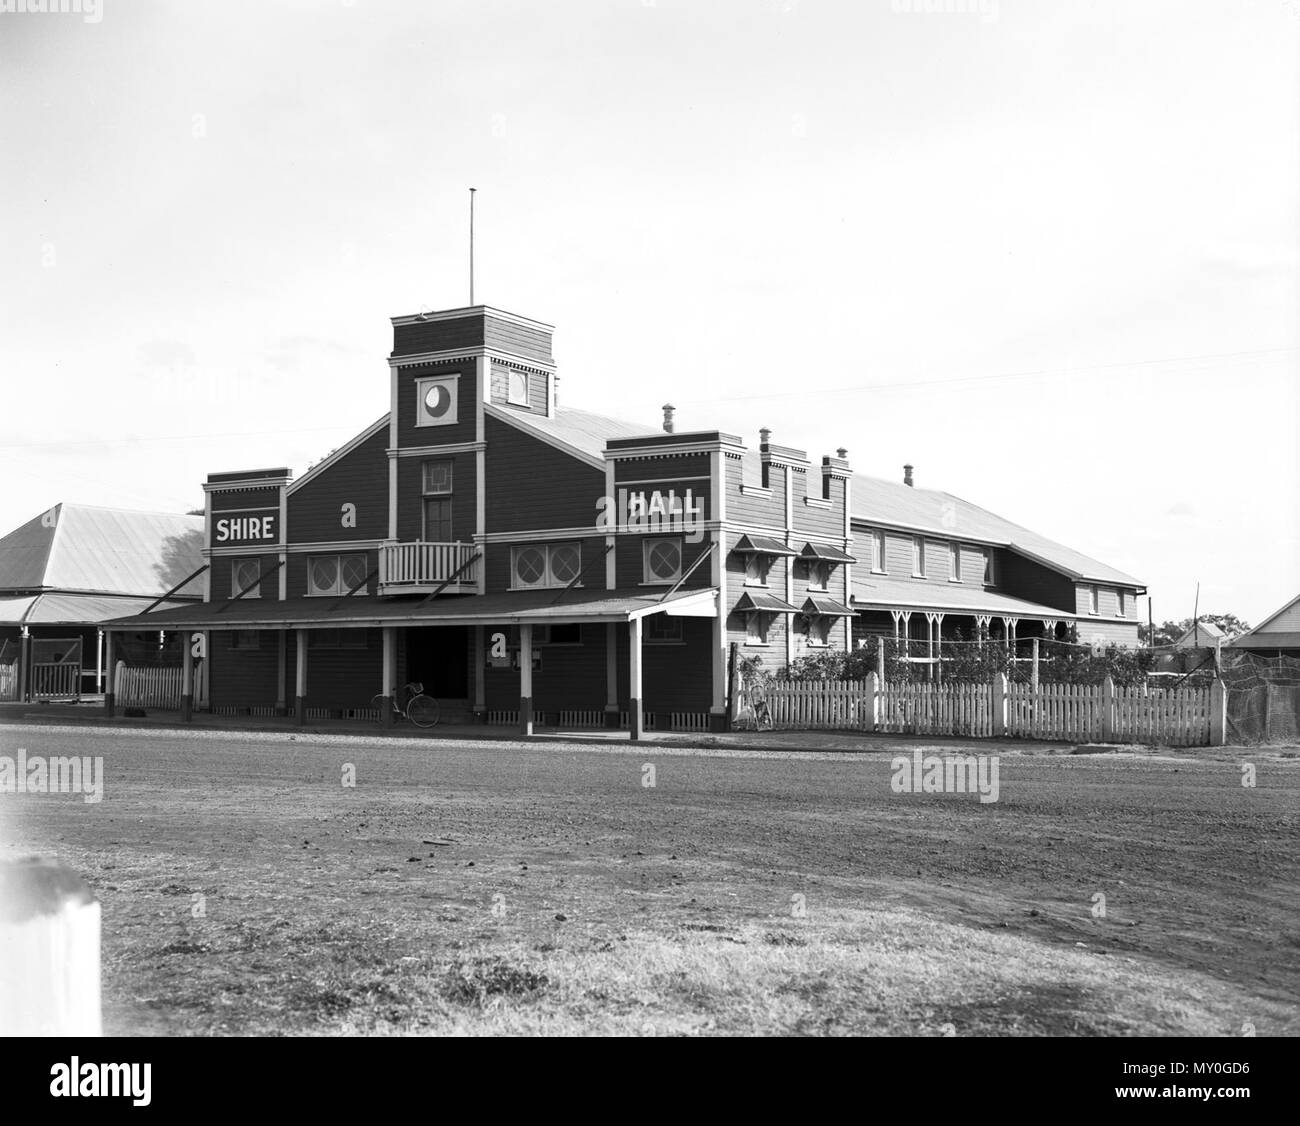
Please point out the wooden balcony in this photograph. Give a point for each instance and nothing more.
(420, 568)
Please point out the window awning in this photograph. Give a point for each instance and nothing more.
(826, 607)
(762, 545)
(769, 603)
(825, 552)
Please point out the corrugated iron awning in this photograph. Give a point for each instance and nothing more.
(768, 603)
(762, 545)
(826, 607)
(825, 552)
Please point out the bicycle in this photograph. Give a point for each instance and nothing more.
(421, 710)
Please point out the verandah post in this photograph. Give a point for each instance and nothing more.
(526, 678)
(110, 671)
(388, 675)
(300, 677)
(634, 714)
(187, 678)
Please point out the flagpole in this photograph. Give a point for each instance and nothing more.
(471, 245)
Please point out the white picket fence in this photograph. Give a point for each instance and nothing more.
(8, 682)
(1067, 712)
(148, 688)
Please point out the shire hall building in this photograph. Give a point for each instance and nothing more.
(528, 562)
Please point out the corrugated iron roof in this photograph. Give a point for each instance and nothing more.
(366, 610)
(883, 592)
(78, 547)
(877, 501)
(582, 431)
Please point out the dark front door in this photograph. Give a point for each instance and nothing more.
(439, 659)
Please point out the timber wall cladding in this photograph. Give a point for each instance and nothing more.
(359, 478)
(531, 484)
(410, 496)
(462, 430)
(520, 340)
(227, 499)
(242, 677)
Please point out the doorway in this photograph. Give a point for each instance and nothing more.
(438, 657)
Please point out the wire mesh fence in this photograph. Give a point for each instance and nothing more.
(1263, 698)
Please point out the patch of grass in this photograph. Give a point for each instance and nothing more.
(478, 981)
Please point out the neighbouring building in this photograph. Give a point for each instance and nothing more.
(526, 560)
(72, 568)
(1278, 635)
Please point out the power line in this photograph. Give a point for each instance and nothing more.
(803, 393)
(174, 437)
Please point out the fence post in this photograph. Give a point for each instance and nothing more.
(1219, 714)
(998, 695)
(1033, 674)
(872, 710)
(49, 951)
(880, 659)
(1108, 710)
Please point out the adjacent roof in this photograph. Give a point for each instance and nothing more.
(880, 592)
(1204, 634)
(488, 609)
(78, 547)
(877, 501)
(581, 432)
(73, 609)
(1280, 630)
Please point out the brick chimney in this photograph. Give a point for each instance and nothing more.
(668, 417)
(907, 475)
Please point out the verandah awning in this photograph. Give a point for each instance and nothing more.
(362, 612)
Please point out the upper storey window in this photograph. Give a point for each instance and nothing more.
(517, 388)
(437, 489)
(546, 565)
(918, 557)
(663, 560)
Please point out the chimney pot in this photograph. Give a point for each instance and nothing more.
(765, 435)
(841, 453)
(668, 417)
(907, 475)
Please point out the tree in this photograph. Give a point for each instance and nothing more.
(1168, 632)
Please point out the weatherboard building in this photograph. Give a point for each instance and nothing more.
(528, 562)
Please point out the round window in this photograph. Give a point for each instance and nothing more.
(565, 562)
(665, 558)
(530, 566)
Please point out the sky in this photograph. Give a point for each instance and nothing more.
(1044, 251)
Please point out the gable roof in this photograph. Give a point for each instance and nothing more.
(79, 547)
(1207, 631)
(1280, 628)
(877, 501)
(579, 432)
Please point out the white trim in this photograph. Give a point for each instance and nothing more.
(512, 418)
(673, 449)
(246, 483)
(437, 451)
(817, 502)
(459, 355)
(467, 311)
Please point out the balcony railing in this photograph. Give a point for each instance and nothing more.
(420, 566)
